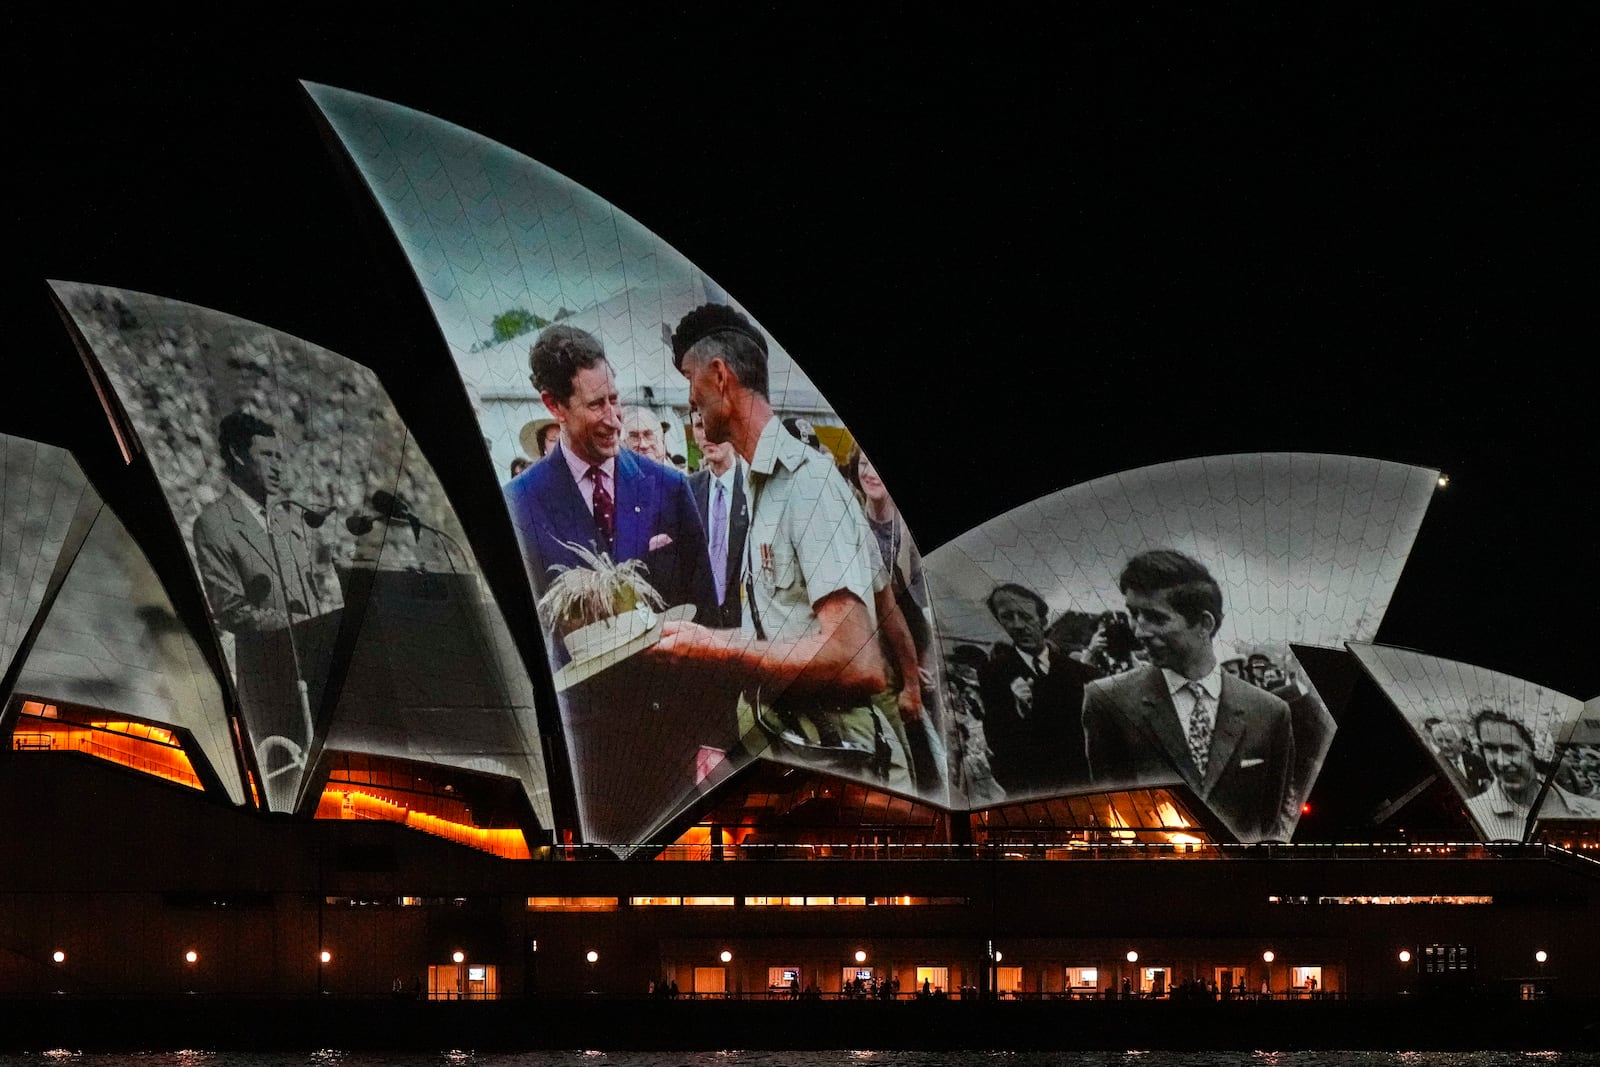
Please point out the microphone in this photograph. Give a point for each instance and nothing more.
(312, 517)
(392, 506)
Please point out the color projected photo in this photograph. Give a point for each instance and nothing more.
(711, 593)
(323, 542)
(1508, 747)
(1075, 618)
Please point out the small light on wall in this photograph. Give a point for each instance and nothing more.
(592, 956)
(326, 956)
(1541, 955)
(1267, 956)
(59, 956)
(1405, 955)
(861, 956)
(726, 957)
(192, 956)
(1133, 957)
(459, 956)
(1444, 481)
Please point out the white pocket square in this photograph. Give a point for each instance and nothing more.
(1246, 763)
(662, 541)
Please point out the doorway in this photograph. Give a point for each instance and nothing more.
(710, 981)
(463, 981)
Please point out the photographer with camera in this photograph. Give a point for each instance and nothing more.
(1112, 649)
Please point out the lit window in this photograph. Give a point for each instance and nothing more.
(572, 903)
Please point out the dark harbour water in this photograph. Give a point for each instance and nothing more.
(839, 1058)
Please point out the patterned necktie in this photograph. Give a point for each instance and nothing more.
(605, 509)
(1199, 726)
(719, 541)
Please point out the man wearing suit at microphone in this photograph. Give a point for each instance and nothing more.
(265, 567)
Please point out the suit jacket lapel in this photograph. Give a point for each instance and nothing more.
(570, 518)
(701, 487)
(1159, 717)
(1225, 736)
(738, 526)
(250, 532)
(634, 510)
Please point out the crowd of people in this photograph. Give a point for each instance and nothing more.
(1140, 698)
(1493, 762)
(820, 611)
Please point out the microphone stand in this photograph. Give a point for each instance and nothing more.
(449, 541)
(304, 692)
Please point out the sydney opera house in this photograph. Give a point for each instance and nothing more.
(727, 729)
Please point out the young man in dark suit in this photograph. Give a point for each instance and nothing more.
(719, 498)
(1181, 718)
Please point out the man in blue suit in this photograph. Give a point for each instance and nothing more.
(591, 491)
(643, 738)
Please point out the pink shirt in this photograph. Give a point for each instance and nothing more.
(580, 474)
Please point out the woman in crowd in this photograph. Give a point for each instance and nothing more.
(903, 564)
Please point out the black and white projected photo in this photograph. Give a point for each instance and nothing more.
(46, 509)
(314, 525)
(713, 589)
(1136, 630)
(111, 641)
(1517, 753)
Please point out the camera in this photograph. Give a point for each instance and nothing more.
(1120, 640)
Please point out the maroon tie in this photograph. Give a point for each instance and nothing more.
(605, 509)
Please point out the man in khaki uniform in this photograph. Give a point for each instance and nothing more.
(807, 657)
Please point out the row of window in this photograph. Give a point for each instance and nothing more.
(1387, 898)
(611, 903)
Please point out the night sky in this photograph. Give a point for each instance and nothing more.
(1015, 254)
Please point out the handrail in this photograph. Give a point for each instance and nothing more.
(1120, 850)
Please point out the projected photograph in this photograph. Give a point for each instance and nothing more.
(313, 525)
(112, 641)
(1137, 630)
(711, 592)
(46, 509)
(1515, 752)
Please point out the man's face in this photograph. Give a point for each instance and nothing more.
(717, 456)
(642, 435)
(706, 396)
(259, 469)
(591, 419)
(1171, 640)
(1019, 617)
(1448, 740)
(1508, 756)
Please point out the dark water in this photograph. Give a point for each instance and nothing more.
(841, 1058)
